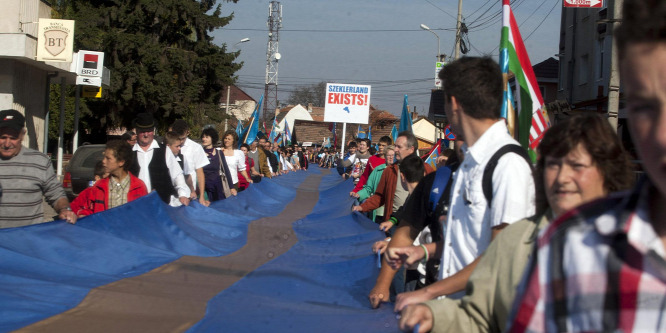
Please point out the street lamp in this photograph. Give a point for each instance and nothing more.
(425, 27)
(244, 40)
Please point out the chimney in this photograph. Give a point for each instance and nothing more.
(310, 107)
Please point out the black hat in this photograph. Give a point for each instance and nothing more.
(12, 119)
(144, 120)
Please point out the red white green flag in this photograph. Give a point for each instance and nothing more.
(532, 116)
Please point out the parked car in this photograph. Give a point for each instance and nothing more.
(80, 170)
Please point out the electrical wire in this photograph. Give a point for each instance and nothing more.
(442, 10)
(544, 19)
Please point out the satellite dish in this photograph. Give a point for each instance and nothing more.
(278, 56)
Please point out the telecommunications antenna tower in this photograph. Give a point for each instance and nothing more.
(272, 56)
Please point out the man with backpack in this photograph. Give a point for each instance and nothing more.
(492, 187)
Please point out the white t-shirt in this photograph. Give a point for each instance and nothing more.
(236, 163)
(195, 158)
(176, 173)
(468, 232)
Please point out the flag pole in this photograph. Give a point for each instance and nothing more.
(344, 133)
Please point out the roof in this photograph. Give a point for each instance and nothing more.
(236, 94)
(548, 68)
(380, 120)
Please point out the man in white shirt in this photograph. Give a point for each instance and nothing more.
(473, 100)
(156, 166)
(195, 160)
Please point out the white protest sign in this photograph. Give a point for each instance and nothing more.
(347, 103)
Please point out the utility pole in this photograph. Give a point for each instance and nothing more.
(458, 23)
(272, 56)
(614, 80)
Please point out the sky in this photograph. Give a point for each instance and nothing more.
(375, 42)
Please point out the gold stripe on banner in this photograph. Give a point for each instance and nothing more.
(173, 297)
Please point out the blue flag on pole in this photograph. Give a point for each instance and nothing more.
(394, 133)
(405, 118)
(370, 133)
(360, 133)
(434, 154)
(252, 128)
(239, 128)
(287, 133)
(273, 133)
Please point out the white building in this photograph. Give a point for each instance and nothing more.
(24, 82)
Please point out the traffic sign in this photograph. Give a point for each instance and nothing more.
(583, 3)
(448, 134)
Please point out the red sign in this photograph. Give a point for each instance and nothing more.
(583, 3)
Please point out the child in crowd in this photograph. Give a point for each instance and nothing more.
(82, 202)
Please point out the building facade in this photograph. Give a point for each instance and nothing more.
(24, 82)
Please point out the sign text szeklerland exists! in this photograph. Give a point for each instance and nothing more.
(347, 103)
(583, 3)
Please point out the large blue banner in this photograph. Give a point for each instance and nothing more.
(319, 284)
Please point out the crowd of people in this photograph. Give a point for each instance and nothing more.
(176, 167)
(491, 242)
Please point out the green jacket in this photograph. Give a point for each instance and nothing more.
(370, 187)
(491, 288)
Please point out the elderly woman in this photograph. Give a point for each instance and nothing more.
(581, 159)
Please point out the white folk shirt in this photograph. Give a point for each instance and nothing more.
(195, 158)
(468, 232)
(176, 173)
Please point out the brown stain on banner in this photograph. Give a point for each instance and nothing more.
(173, 297)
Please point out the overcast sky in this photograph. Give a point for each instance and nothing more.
(376, 42)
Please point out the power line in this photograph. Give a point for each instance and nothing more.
(544, 19)
(442, 10)
(339, 30)
(541, 5)
(474, 12)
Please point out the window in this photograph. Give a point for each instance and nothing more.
(582, 69)
(600, 58)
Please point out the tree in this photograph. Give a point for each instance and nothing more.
(314, 93)
(161, 58)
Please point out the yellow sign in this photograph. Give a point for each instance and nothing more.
(90, 91)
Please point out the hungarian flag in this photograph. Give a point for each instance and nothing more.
(532, 117)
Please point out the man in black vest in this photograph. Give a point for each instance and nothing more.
(156, 166)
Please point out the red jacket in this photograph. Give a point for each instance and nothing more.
(99, 194)
(82, 202)
(242, 182)
(373, 162)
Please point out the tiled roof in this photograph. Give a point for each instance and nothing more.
(548, 68)
(315, 131)
(236, 95)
